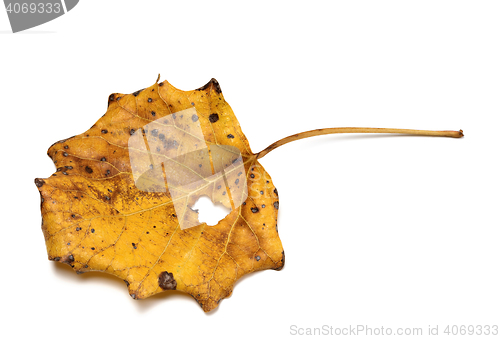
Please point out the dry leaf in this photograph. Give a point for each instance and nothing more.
(120, 201)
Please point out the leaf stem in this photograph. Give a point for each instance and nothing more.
(323, 131)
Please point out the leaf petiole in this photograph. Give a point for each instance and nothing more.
(337, 130)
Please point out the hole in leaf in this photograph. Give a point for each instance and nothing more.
(209, 212)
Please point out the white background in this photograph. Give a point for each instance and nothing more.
(392, 231)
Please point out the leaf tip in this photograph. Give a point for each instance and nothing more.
(111, 98)
(212, 84)
(281, 263)
(39, 182)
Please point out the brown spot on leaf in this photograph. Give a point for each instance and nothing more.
(166, 281)
(214, 117)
